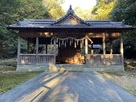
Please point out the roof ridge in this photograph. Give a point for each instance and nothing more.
(70, 12)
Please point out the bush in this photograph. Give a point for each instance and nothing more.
(8, 62)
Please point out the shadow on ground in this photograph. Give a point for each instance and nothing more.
(68, 87)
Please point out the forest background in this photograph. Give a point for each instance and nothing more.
(12, 11)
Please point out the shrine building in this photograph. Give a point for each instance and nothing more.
(69, 43)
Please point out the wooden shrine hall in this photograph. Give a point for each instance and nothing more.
(69, 43)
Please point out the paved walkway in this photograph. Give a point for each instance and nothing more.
(68, 87)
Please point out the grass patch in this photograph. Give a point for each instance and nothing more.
(7, 68)
(133, 92)
(8, 62)
(9, 78)
(12, 79)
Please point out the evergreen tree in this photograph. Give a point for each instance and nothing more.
(54, 8)
(126, 9)
(10, 12)
(103, 8)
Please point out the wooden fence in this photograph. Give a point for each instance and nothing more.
(93, 59)
(107, 59)
(33, 58)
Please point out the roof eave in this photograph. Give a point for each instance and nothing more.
(58, 27)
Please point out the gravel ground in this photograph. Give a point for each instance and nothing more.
(126, 80)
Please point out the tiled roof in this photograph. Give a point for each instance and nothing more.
(43, 23)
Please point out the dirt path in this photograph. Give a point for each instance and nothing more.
(68, 87)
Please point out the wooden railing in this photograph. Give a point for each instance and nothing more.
(107, 59)
(93, 59)
(33, 58)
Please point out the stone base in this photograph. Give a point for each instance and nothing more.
(34, 67)
(85, 68)
(69, 67)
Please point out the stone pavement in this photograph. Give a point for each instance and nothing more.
(68, 87)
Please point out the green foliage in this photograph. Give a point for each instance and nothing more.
(54, 8)
(126, 9)
(118, 10)
(8, 63)
(84, 14)
(102, 9)
(12, 11)
(31, 9)
(7, 11)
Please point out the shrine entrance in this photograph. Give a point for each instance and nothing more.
(70, 50)
(70, 55)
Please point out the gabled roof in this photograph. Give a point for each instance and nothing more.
(69, 20)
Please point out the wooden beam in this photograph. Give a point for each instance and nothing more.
(111, 50)
(28, 45)
(46, 48)
(89, 40)
(104, 45)
(37, 44)
(122, 50)
(86, 46)
(92, 51)
(54, 51)
(19, 49)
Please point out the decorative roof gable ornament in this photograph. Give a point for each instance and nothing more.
(70, 10)
(123, 22)
(70, 18)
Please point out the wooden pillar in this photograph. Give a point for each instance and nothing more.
(111, 50)
(46, 48)
(86, 49)
(54, 51)
(121, 50)
(92, 51)
(34, 48)
(104, 45)
(37, 44)
(86, 46)
(19, 49)
(28, 45)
